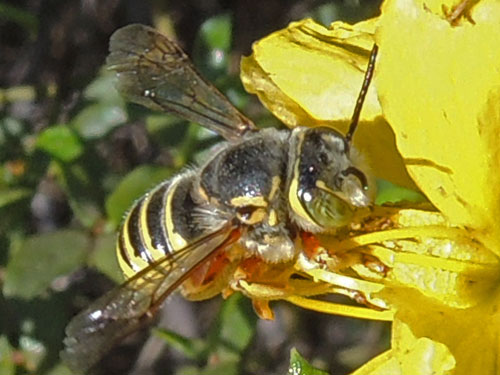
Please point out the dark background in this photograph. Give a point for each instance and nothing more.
(59, 207)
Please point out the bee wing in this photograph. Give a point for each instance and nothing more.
(128, 307)
(154, 71)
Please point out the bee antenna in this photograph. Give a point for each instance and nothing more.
(362, 94)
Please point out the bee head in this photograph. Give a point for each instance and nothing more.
(327, 186)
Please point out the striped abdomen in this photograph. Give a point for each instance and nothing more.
(160, 223)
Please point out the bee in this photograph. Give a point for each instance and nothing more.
(257, 192)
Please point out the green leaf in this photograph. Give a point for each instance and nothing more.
(103, 257)
(20, 16)
(59, 369)
(230, 336)
(227, 341)
(102, 89)
(79, 183)
(188, 370)
(213, 46)
(105, 111)
(236, 325)
(7, 366)
(10, 196)
(37, 328)
(326, 13)
(41, 259)
(166, 130)
(299, 366)
(34, 351)
(222, 365)
(96, 120)
(10, 128)
(391, 193)
(216, 32)
(61, 143)
(158, 122)
(132, 187)
(192, 348)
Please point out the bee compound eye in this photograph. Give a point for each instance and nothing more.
(325, 209)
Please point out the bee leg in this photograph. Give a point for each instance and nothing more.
(260, 294)
(316, 255)
(262, 309)
(261, 283)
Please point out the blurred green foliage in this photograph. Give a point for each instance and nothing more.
(223, 349)
(39, 261)
(70, 169)
(300, 366)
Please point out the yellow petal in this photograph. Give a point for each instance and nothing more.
(439, 86)
(410, 356)
(309, 75)
(471, 334)
(320, 69)
(341, 309)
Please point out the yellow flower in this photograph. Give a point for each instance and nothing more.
(431, 122)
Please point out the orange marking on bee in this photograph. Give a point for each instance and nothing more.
(250, 265)
(310, 244)
(214, 266)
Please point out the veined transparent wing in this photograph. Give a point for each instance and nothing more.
(154, 71)
(94, 331)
